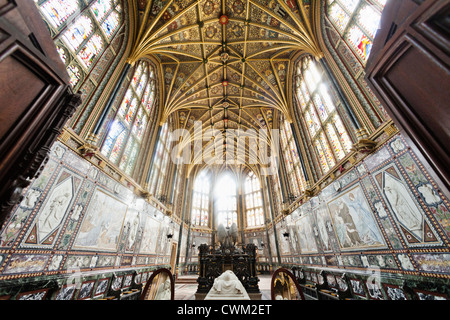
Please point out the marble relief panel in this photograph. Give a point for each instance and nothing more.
(74, 206)
(353, 221)
(426, 190)
(388, 202)
(32, 199)
(102, 225)
(293, 239)
(132, 227)
(283, 243)
(150, 236)
(76, 216)
(55, 207)
(306, 235)
(403, 205)
(380, 209)
(325, 228)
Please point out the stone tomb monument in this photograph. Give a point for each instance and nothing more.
(227, 287)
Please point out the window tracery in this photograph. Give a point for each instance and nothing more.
(124, 139)
(291, 159)
(350, 28)
(253, 201)
(225, 200)
(325, 129)
(82, 31)
(201, 199)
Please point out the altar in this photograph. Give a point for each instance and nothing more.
(213, 262)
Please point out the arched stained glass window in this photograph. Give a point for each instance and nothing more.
(226, 200)
(253, 201)
(324, 127)
(291, 159)
(201, 199)
(159, 170)
(124, 138)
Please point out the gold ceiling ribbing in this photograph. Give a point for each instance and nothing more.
(235, 65)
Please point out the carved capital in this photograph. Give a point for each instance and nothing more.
(309, 193)
(146, 195)
(364, 146)
(88, 150)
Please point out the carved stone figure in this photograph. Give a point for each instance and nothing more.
(405, 210)
(351, 233)
(164, 292)
(31, 198)
(51, 218)
(430, 195)
(227, 238)
(227, 286)
(76, 212)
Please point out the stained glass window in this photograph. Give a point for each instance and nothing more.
(111, 23)
(339, 17)
(100, 8)
(360, 41)
(74, 74)
(351, 41)
(357, 22)
(324, 127)
(79, 31)
(112, 141)
(291, 160)
(58, 11)
(88, 53)
(225, 200)
(132, 118)
(201, 199)
(350, 5)
(85, 33)
(253, 201)
(161, 160)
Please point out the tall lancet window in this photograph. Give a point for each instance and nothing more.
(82, 31)
(357, 21)
(253, 201)
(126, 133)
(201, 199)
(161, 161)
(350, 29)
(225, 194)
(291, 159)
(326, 132)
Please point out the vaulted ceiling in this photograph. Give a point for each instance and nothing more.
(225, 62)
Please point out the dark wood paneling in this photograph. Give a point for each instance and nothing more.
(409, 71)
(16, 99)
(36, 99)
